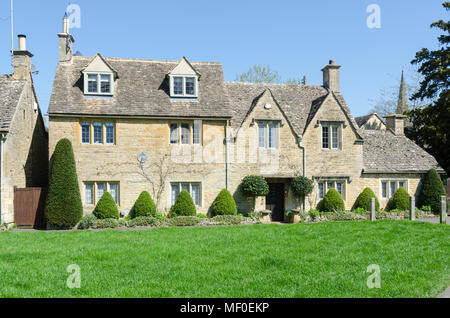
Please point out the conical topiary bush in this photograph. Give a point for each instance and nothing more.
(184, 206)
(332, 201)
(63, 207)
(144, 206)
(431, 192)
(399, 201)
(106, 208)
(363, 200)
(224, 204)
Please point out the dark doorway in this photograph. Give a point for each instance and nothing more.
(29, 207)
(275, 201)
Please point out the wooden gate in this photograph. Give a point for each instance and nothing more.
(29, 207)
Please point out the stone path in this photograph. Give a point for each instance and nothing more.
(445, 294)
(434, 220)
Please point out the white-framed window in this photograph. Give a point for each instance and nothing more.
(85, 132)
(268, 135)
(193, 188)
(389, 187)
(98, 84)
(110, 133)
(93, 191)
(98, 132)
(331, 136)
(325, 186)
(98, 137)
(185, 133)
(183, 86)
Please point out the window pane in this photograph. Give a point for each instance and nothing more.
(339, 188)
(393, 188)
(86, 133)
(330, 185)
(384, 188)
(321, 190)
(190, 85)
(262, 135)
(93, 83)
(185, 134)
(175, 192)
(402, 185)
(178, 85)
(98, 133)
(273, 136)
(109, 133)
(174, 133)
(196, 193)
(105, 83)
(185, 187)
(114, 191)
(197, 132)
(89, 194)
(335, 137)
(325, 138)
(101, 189)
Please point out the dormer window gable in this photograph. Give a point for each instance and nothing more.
(183, 80)
(99, 78)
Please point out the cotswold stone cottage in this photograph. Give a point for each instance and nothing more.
(167, 126)
(23, 136)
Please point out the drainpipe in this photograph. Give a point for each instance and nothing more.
(303, 148)
(226, 153)
(1, 171)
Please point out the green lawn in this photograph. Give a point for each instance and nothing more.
(316, 260)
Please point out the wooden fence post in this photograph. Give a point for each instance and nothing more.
(443, 209)
(412, 208)
(372, 210)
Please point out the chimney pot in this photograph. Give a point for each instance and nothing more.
(331, 76)
(396, 123)
(22, 42)
(332, 62)
(66, 26)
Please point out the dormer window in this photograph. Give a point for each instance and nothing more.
(183, 86)
(98, 83)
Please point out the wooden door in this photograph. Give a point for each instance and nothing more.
(275, 201)
(29, 205)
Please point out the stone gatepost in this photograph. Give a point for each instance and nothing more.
(260, 204)
(443, 209)
(372, 210)
(412, 208)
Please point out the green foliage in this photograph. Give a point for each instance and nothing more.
(144, 221)
(400, 201)
(361, 211)
(184, 221)
(106, 208)
(87, 222)
(144, 206)
(184, 206)
(431, 191)
(228, 219)
(224, 204)
(363, 200)
(426, 208)
(259, 74)
(332, 202)
(63, 207)
(105, 224)
(202, 216)
(302, 186)
(254, 186)
(314, 213)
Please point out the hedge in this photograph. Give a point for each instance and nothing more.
(106, 208)
(400, 200)
(144, 206)
(224, 204)
(254, 186)
(302, 186)
(431, 192)
(184, 206)
(363, 200)
(63, 206)
(332, 202)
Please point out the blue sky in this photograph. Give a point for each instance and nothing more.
(294, 37)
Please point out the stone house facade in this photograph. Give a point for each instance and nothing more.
(167, 126)
(23, 135)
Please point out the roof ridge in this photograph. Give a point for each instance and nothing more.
(275, 84)
(144, 60)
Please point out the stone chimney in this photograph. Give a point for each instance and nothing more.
(22, 60)
(65, 42)
(331, 76)
(396, 123)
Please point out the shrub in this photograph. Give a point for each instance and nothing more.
(142, 221)
(106, 208)
(400, 201)
(63, 207)
(87, 222)
(228, 219)
(202, 216)
(144, 206)
(360, 211)
(106, 224)
(426, 208)
(363, 200)
(184, 221)
(184, 206)
(123, 223)
(432, 190)
(314, 213)
(224, 204)
(332, 202)
(302, 186)
(254, 186)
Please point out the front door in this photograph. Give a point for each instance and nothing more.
(275, 201)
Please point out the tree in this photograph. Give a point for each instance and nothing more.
(399, 201)
(63, 207)
(106, 208)
(144, 206)
(431, 125)
(363, 200)
(184, 206)
(431, 191)
(224, 204)
(332, 201)
(265, 74)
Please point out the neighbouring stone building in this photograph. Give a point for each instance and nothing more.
(23, 136)
(167, 126)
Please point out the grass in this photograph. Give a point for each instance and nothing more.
(315, 260)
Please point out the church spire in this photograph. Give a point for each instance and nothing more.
(402, 105)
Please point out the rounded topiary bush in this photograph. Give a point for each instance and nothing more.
(224, 204)
(302, 186)
(254, 186)
(363, 200)
(144, 206)
(400, 200)
(431, 192)
(184, 206)
(106, 208)
(63, 206)
(332, 202)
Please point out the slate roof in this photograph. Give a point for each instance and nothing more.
(10, 92)
(385, 152)
(142, 89)
(361, 121)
